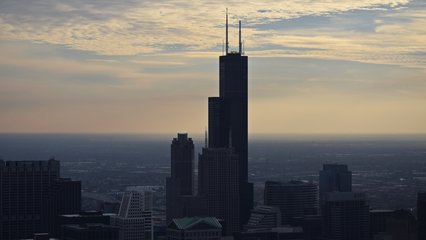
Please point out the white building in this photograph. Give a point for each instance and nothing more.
(135, 216)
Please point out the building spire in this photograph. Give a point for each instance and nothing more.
(239, 38)
(227, 43)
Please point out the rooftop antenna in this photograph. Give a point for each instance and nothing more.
(227, 43)
(239, 37)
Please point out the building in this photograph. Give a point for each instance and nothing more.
(346, 216)
(218, 183)
(295, 199)
(264, 217)
(89, 231)
(379, 221)
(421, 215)
(228, 117)
(181, 181)
(192, 228)
(81, 219)
(134, 218)
(334, 178)
(32, 194)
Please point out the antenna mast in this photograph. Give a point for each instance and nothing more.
(239, 37)
(227, 43)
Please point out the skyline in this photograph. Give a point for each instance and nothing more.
(147, 67)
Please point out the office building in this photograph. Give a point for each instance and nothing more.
(346, 216)
(32, 194)
(264, 217)
(218, 183)
(134, 218)
(295, 199)
(180, 183)
(191, 228)
(228, 117)
(334, 178)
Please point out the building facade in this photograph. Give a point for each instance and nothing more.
(295, 199)
(31, 195)
(334, 178)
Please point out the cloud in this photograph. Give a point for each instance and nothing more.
(194, 29)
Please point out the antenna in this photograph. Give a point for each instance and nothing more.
(227, 43)
(239, 37)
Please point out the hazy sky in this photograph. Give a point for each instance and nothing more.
(148, 66)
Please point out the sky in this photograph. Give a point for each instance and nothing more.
(148, 66)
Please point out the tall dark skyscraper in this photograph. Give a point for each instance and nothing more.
(180, 183)
(228, 117)
(32, 194)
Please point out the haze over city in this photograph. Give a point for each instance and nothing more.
(332, 67)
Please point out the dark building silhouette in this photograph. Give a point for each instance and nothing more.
(81, 219)
(421, 215)
(89, 231)
(228, 117)
(180, 183)
(218, 183)
(31, 195)
(346, 216)
(190, 228)
(334, 178)
(295, 199)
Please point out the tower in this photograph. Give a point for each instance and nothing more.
(334, 178)
(228, 117)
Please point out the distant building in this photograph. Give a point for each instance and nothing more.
(295, 199)
(135, 216)
(180, 183)
(334, 178)
(89, 231)
(191, 228)
(379, 222)
(219, 184)
(402, 225)
(346, 216)
(264, 217)
(32, 194)
(421, 215)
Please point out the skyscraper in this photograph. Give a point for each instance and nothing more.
(346, 216)
(334, 178)
(180, 183)
(218, 183)
(32, 194)
(295, 199)
(228, 117)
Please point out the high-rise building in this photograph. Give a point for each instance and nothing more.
(134, 218)
(264, 217)
(180, 184)
(218, 183)
(228, 117)
(295, 199)
(32, 194)
(346, 216)
(89, 231)
(421, 215)
(334, 178)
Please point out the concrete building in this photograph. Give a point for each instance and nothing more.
(135, 216)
